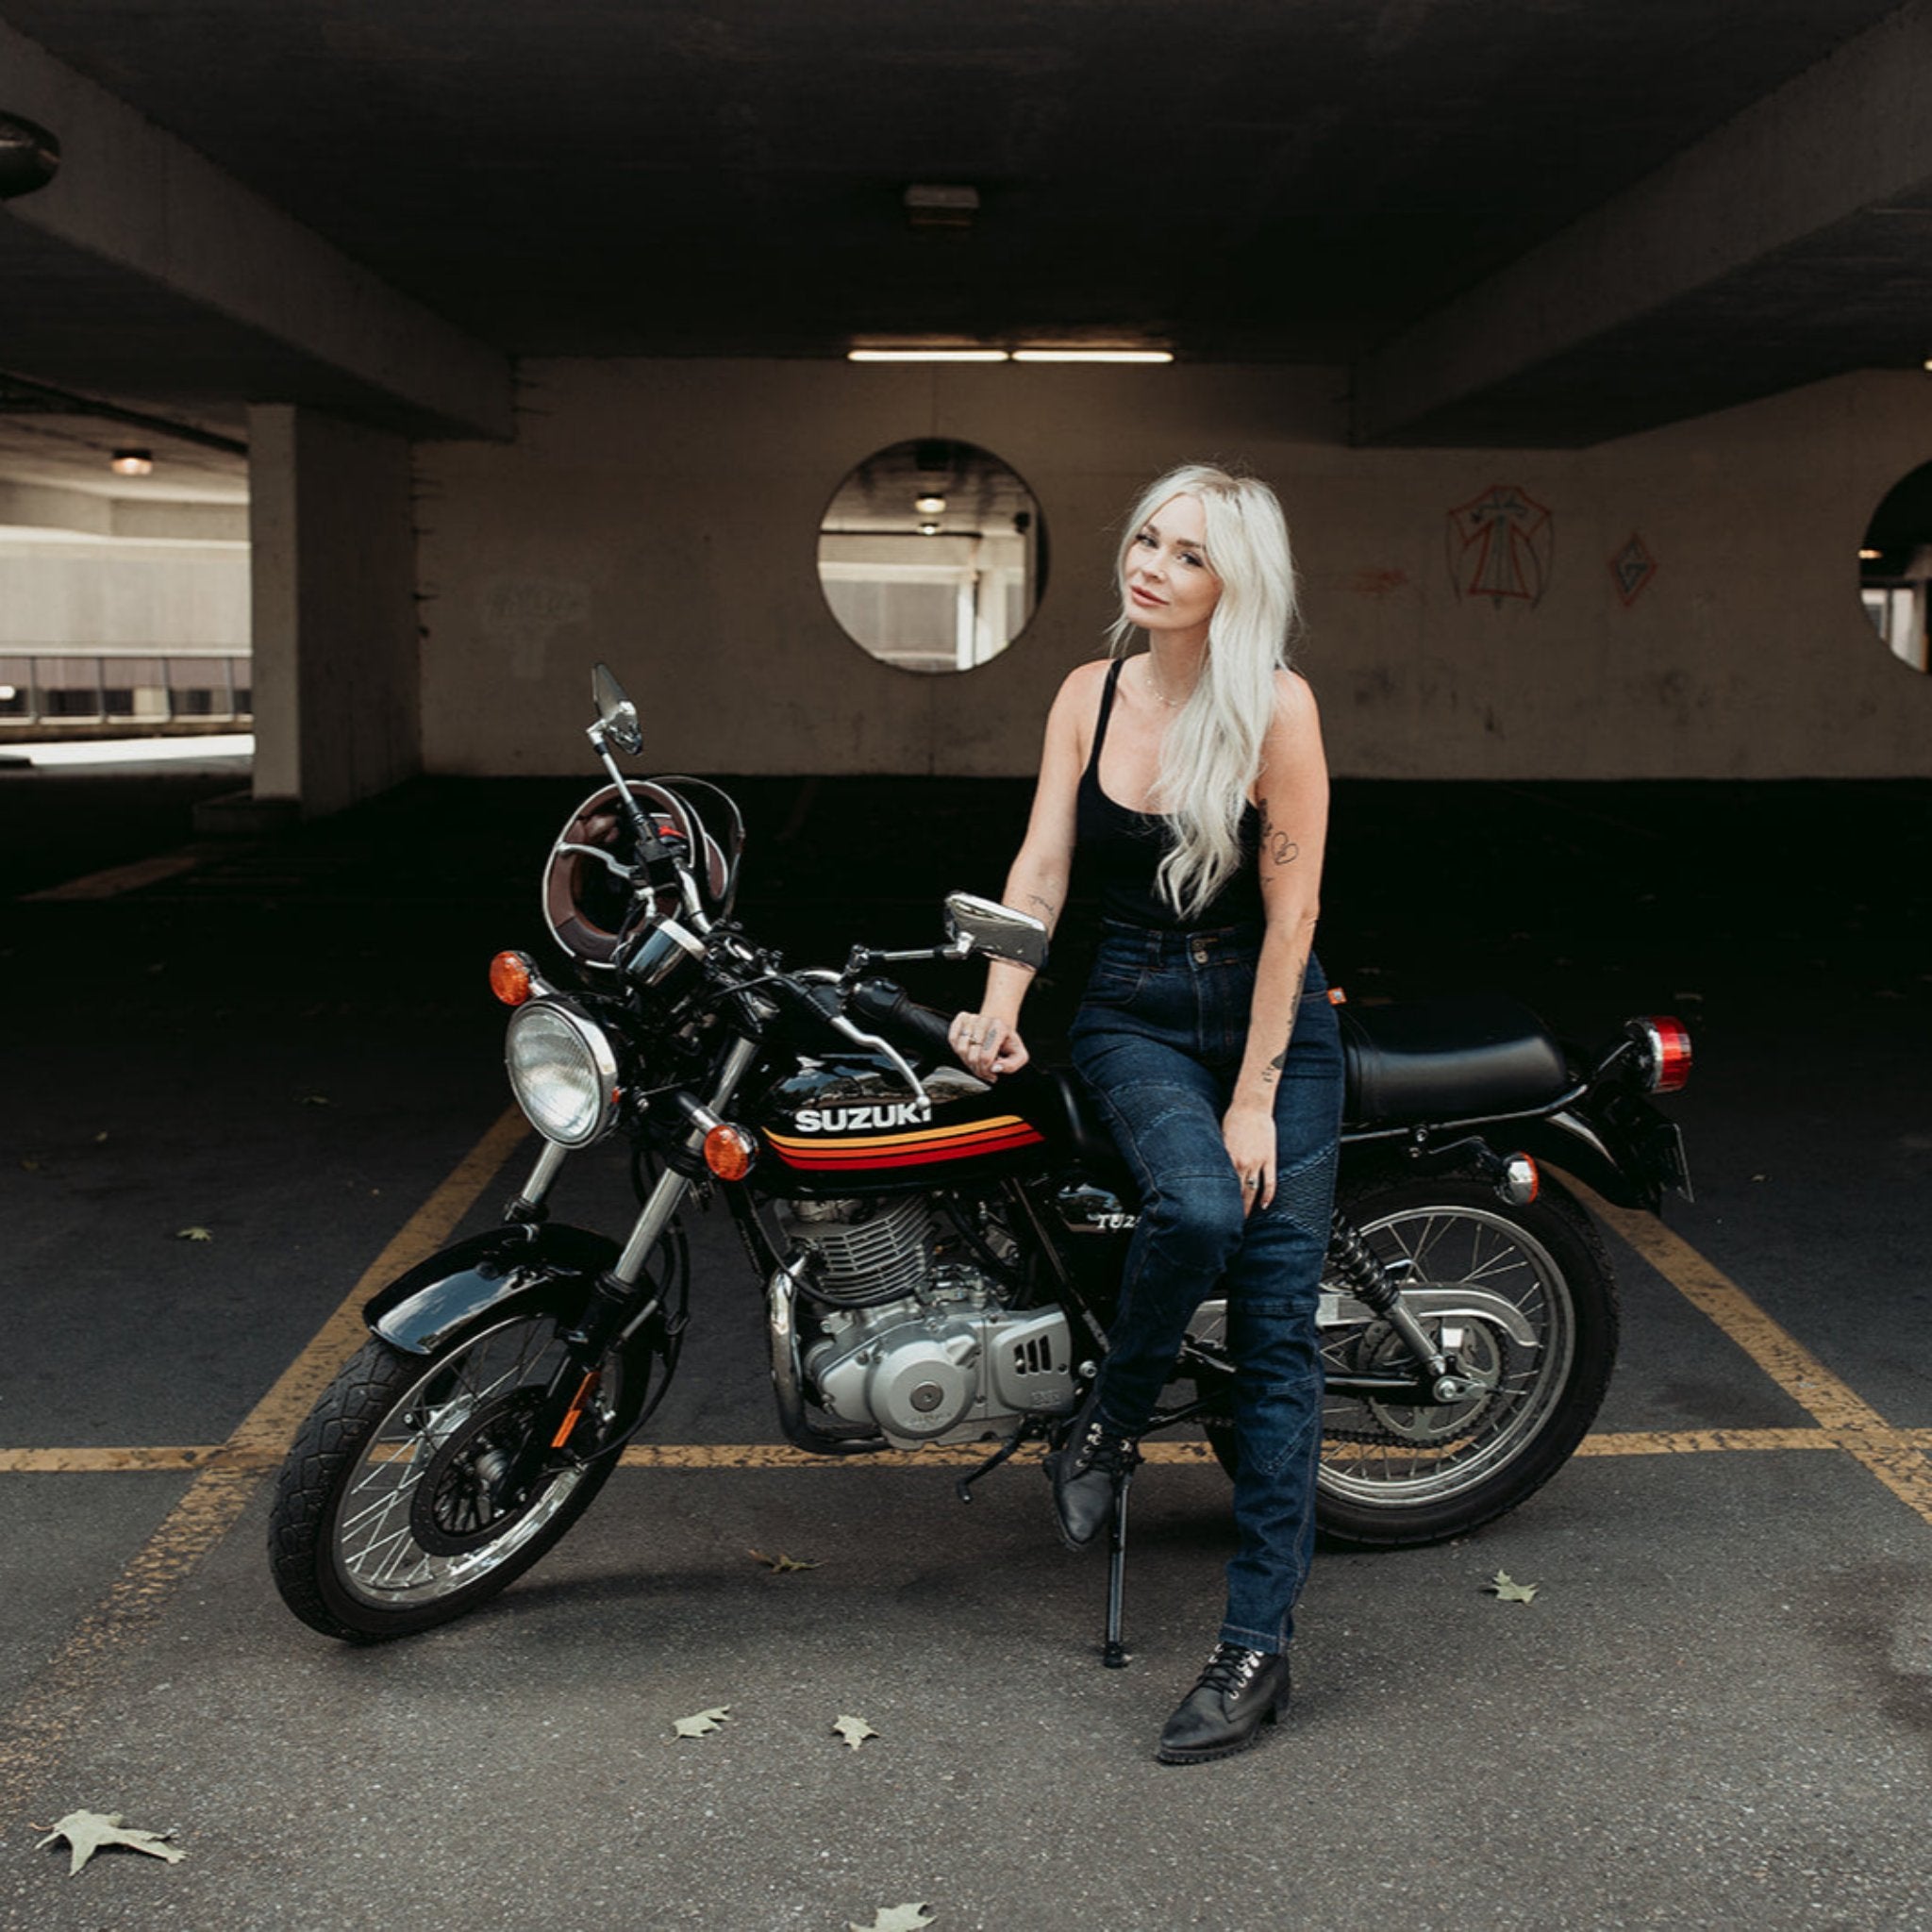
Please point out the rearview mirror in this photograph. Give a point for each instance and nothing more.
(996, 931)
(615, 711)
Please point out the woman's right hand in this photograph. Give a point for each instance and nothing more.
(986, 1046)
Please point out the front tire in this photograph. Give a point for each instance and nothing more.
(390, 1515)
(1397, 1475)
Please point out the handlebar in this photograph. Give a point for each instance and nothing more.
(893, 1012)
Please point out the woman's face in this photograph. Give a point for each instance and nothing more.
(1166, 581)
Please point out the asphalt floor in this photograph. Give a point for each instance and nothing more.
(1716, 1712)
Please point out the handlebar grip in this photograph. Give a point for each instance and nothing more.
(889, 1009)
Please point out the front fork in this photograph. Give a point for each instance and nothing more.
(623, 1299)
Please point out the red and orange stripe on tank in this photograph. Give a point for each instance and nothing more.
(999, 1135)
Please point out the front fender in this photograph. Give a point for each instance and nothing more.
(536, 1266)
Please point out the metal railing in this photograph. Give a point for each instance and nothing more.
(180, 688)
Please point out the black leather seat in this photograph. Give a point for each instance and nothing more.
(1449, 1059)
(1057, 1101)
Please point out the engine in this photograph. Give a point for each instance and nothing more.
(913, 1333)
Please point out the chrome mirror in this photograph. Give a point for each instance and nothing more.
(995, 931)
(615, 713)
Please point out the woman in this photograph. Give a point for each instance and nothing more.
(1190, 779)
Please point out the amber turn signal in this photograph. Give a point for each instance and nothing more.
(729, 1152)
(509, 977)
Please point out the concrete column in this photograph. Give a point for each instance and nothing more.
(336, 691)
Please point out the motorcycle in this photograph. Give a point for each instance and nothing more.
(939, 1258)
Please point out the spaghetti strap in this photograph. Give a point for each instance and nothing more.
(1113, 678)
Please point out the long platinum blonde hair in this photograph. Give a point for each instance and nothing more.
(1213, 750)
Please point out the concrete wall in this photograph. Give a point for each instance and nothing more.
(116, 595)
(665, 515)
(336, 683)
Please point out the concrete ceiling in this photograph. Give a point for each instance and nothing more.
(1404, 188)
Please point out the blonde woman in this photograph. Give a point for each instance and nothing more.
(1189, 778)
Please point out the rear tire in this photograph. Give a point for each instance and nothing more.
(1397, 1475)
(388, 1518)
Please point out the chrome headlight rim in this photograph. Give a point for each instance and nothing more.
(598, 1068)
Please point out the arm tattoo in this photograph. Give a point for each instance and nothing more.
(1272, 1070)
(1275, 842)
(1046, 907)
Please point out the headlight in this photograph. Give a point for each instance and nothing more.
(562, 1072)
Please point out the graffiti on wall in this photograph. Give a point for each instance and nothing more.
(1499, 547)
(1632, 568)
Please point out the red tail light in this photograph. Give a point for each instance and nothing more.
(1666, 1044)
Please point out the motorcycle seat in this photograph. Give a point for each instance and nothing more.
(1059, 1102)
(1465, 1059)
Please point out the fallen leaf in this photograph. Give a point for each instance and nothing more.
(88, 1832)
(195, 1234)
(855, 1730)
(317, 1100)
(100, 1137)
(779, 1564)
(27, 1162)
(702, 1723)
(895, 1919)
(1505, 1589)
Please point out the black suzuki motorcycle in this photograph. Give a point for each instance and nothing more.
(939, 1257)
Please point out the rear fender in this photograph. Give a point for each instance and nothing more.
(510, 1269)
(1619, 1144)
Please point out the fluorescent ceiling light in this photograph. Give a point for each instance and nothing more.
(925, 355)
(1092, 355)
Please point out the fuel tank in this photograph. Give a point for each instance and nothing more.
(848, 1126)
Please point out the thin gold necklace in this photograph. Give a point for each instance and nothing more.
(1153, 684)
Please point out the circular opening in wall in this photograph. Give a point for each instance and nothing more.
(932, 554)
(1896, 567)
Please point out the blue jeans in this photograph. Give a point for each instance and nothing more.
(1160, 1037)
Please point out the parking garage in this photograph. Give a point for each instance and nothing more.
(467, 348)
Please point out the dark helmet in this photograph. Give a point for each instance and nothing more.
(586, 898)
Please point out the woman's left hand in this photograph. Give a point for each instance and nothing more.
(1248, 1134)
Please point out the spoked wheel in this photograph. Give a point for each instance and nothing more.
(397, 1507)
(1525, 1295)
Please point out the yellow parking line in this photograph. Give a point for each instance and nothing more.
(220, 1491)
(76, 1461)
(117, 879)
(1889, 1454)
(781, 1456)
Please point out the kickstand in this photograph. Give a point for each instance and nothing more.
(963, 1488)
(1113, 1652)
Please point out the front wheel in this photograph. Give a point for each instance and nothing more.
(394, 1510)
(1527, 1297)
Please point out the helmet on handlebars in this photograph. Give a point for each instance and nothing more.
(587, 878)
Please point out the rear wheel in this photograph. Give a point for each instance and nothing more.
(396, 1509)
(1526, 1295)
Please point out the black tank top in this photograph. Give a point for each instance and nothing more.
(1122, 849)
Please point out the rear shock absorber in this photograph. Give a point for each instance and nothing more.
(1351, 1257)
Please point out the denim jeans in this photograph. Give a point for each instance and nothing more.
(1160, 1037)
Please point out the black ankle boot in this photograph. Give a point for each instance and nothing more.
(1087, 1471)
(1239, 1693)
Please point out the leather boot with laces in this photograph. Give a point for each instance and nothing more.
(1239, 1693)
(1087, 1471)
